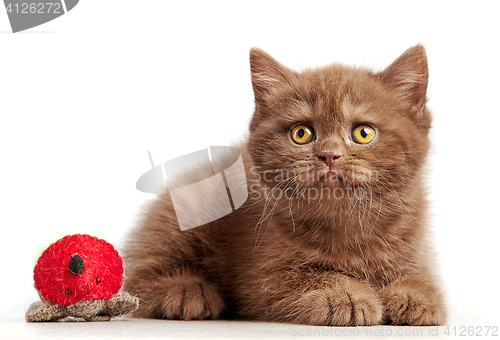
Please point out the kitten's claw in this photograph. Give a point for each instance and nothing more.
(411, 308)
(191, 298)
(341, 306)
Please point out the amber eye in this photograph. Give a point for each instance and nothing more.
(363, 134)
(302, 134)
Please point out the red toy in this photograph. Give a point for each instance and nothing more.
(79, 276)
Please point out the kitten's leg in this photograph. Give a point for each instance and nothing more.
(329, 299)
(166, 267)
(413, 300)
(184, 296)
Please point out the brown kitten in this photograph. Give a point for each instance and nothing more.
(334, 229)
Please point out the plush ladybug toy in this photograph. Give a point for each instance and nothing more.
(79, 276)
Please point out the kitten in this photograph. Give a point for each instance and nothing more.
(334, 229)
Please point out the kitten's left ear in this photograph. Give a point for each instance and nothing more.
(267, 74)
(409, 75)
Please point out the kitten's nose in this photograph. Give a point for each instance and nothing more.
(329, 157)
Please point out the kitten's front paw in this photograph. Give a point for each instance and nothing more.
(403, 306)
(190, 298)
(352, 305)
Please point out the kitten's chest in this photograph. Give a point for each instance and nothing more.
(379, 266)
(365, 259)
(277, 247)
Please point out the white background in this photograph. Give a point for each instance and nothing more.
(84, 97)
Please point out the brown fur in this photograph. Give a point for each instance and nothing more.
(286, 255)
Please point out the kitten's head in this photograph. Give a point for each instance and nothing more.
(338, 126)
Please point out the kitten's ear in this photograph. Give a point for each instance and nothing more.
(267, 74)
(409, 75)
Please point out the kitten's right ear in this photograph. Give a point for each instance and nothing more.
(267, 74)
(409, 75)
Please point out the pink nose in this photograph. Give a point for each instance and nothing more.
(329, 157)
